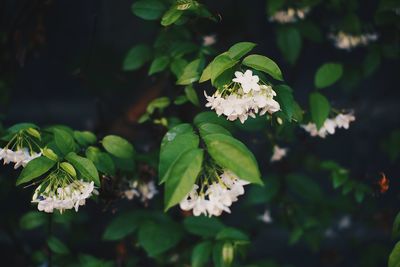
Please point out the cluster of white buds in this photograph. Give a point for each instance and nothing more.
(348, 41)
(145, 191)
(216, 197)
(290, 15)
(244, 97)
(20, 157)
(330, 125)
(61, 196)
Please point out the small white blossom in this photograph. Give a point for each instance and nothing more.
(344, 222)
(145, 191)
(209, 40)
(266, 217)
(290, 15)
(20, 157)
(247, 81)
(279, 153)
(217, 198)
(63, 198)
(330, 125)
(348, 41)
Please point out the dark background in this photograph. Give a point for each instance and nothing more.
(63, 63)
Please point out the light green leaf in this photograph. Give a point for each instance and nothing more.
(220, 64)
(203, 226)
(21, 126)
(264, 64)
(233, 155)
(68, 168)
(206, 74)
(118, 147)
(394, 258)
(191, 73)
(159, 103)
(33, 132)
(174, 132)
(319, 108)
(183, 175)
(85, 167)
(34, 169)
(201, 254)
(328, 74)
(148, 9)
(57, 246)
(136, 57)
(159, 64)
(101, 160)
(192, 95)
(240, 49)
(171, 16)
(157, 238)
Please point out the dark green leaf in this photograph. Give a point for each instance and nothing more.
(319, 108)
(136, 57)
(171, 16)
(211, 128)
(159, 64)
(191, 73)
(233, 155)
(203, 226)
(289, 42)
(101, 160)
(118, 147)
(263, 64)
(85, 167)
(148, 9)
(220, 64)
(201, 254)
(328, 74)
(240, 49)
(32, 219)
(57, 246)
(34, 169)
(183, 175)
(285, 98)
(64, 141)
(122, 226)
(394, 258)
(192, 95)
(85, 138)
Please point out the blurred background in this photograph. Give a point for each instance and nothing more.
(61, 63)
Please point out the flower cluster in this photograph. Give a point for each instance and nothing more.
(62, 197)
(245, 97)
(347, 41)
(290, 15)
(145, 191)
(330, 125)
(20, 157)
(216, 197)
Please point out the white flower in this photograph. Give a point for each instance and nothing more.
(209, 40)
(344, 222)
(347, 41)
(247, 81)
(62, 198)
(21, 157)
(343, 120)
(330, 125)
(290, 15)
(145, 191)
(279, 153)
(217, 198)
(266, 217)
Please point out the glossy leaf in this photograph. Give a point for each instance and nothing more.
(85, 167)
(34, 169)
(319, 108)
(264, 64)
(328, 74)
(118, 147)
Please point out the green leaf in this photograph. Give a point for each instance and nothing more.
(101, 160)
(310, 31)
(328, 74)
(64, 141)
(32, 220)
(339, 178)
(371, 62)
(212, 117)
(289, 43)
(396, 226)
(171, 16)
(233, 155)
(203, 226)
(122, 226)
(157, 238)
(178, 66)
(85, 167)
(159, 64)
(233, 234)
(85, 138)
(172, 151)
(183, 175)
(220, 64)
(319, 108)
(136, 57)
(57, 246)
(148, 9)
(174, 132)
(394, 258)
(211, 128)
(191, 73)
(284, 96)
(304, 187)
(118, 147)
(34, 169)
(33, 132)
(240, 49)
(201, 254)
(192, 95)
(21, 126)
(264, 64)
(68, 168)
(206, 74)
(159, 103)
(274, 6)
